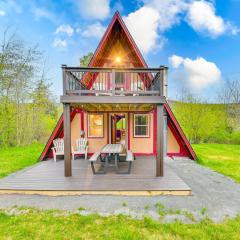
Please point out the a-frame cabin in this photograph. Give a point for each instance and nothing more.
(118, 99)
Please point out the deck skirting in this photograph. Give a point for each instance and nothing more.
(113, 193)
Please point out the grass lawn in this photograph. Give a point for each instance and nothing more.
(34, 224)
(222, 158)
(15, 158)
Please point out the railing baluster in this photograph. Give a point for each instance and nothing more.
(64, 79)
(113, 82)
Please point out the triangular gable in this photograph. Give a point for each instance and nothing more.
(102, 44)
(116, 31)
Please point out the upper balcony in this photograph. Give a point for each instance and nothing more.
(85, 82)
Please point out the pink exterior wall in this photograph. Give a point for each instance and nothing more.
(137, 145)
(75, 128)
(95, 144)
(144, 144)
(172, 144)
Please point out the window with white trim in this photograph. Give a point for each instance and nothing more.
(95, 125)
(141, 125)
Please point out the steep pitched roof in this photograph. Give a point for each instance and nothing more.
(117, 23)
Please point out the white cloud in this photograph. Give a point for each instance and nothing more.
(169, 11)
(148, 23)
(198, 73)
(176, 61)
(94, 9)
(94, 30)
(143, 25)
(43, 13)
(66, 29)
(2, 13)
(59, 43)
(202, 17)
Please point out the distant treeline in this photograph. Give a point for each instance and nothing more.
(209, 123)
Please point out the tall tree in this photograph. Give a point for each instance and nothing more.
(45, 107)
(85, 60)
(229, 95)
(19, 69)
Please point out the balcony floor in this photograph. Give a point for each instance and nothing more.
(49, 176)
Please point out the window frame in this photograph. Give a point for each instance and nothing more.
(88, 123)
(148, 125)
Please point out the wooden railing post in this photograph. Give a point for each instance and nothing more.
(113, 82)
(163, 81)
(67, 140)
(64, 79)
(160, 141)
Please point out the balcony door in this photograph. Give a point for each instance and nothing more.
(121, 77)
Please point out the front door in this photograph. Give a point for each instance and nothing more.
(118, 128)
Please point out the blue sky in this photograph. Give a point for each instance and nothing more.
(198, 40)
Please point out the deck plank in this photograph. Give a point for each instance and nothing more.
(49, 175)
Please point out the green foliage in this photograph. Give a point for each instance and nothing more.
(35, 224)
(205, 123)
(16, 158)
(85, 60)
(222, 158)
(28, 111)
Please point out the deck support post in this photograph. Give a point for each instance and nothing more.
(67, 140)
(160, 140)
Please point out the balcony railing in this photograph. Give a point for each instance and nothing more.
(114, 81)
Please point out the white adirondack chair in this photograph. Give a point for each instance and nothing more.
(58, 149)
(80, 148)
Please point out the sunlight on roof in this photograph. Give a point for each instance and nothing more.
(118, 59)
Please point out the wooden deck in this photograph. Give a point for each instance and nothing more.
(48, 176)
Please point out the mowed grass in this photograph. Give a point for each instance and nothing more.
(222, 158)
(35, 224)
(16, 158)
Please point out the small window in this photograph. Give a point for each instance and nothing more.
(141, 125)
(95, 125)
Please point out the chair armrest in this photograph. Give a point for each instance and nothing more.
(53, 149)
